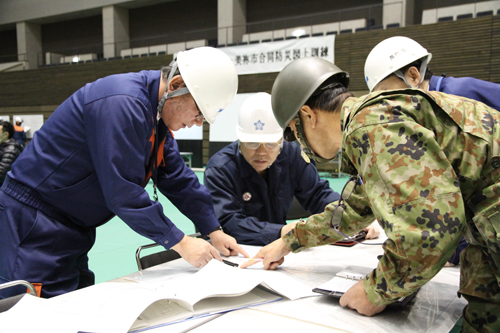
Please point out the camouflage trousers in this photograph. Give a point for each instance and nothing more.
(480, 316)
(480, 286)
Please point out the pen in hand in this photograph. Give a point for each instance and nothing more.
(233, 264)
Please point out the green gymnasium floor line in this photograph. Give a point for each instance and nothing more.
(113, 254)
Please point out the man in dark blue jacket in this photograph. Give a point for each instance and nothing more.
(479, 90)
(91, 161)
(253, 180)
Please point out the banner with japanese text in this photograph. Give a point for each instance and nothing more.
(273, 56)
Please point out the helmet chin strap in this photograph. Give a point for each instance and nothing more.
(307, 149)
(423, 67)
(178, 92)
(161, 103)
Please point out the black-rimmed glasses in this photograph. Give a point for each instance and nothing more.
(348, 189)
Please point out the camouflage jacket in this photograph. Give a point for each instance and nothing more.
(422, 157)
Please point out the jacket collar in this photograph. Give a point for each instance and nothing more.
(153, 79)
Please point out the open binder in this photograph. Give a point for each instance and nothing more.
(347, 278)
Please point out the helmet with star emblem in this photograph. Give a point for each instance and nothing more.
(256, 122)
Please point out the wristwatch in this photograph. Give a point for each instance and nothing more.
(215, 229)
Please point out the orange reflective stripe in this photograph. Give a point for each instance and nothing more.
(160, 159)
(38, 288)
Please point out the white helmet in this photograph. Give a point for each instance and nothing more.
(18, 120)
(392, 54)
(210, 77)
(256, 122)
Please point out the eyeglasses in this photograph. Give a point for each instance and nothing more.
(348, 189)
(199, 115)
(269, 146)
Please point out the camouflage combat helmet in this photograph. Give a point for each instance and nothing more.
(295, 84)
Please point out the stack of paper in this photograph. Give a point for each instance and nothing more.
(120, 307)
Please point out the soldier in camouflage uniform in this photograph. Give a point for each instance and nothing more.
(430, 169)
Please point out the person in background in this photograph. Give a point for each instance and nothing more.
(91, 161)
(426, 165)
(398, 54)
(19, 134)
(9, 148)
(253, 180)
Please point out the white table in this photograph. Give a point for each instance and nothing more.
(436, 308)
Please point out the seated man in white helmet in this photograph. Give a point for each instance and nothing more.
(398, 54)
(91, 161)
(253, 180)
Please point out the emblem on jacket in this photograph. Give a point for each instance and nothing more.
(305, 157)
(247, 196)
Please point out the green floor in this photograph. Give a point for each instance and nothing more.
(113, 254)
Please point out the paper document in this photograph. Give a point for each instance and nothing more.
(123, 306)
(218, 279)
(165, 312)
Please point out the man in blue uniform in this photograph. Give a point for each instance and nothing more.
(253, 180)
(91, 160)
(479, 90)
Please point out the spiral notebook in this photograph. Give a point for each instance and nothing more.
(347, 278)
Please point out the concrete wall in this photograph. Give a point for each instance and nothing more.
(168, 22)
(76, 27)
(8, 40)
(73, 36)
(29, 10)
(273, 11)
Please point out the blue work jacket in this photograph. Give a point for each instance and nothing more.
(479, 90)
(253, 209)
(90, 160)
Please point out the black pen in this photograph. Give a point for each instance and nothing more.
(232, 264)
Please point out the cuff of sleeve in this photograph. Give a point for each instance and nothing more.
(270, 232)
(292, 243)
(208, 224)
(371, 293)
(172, 238)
